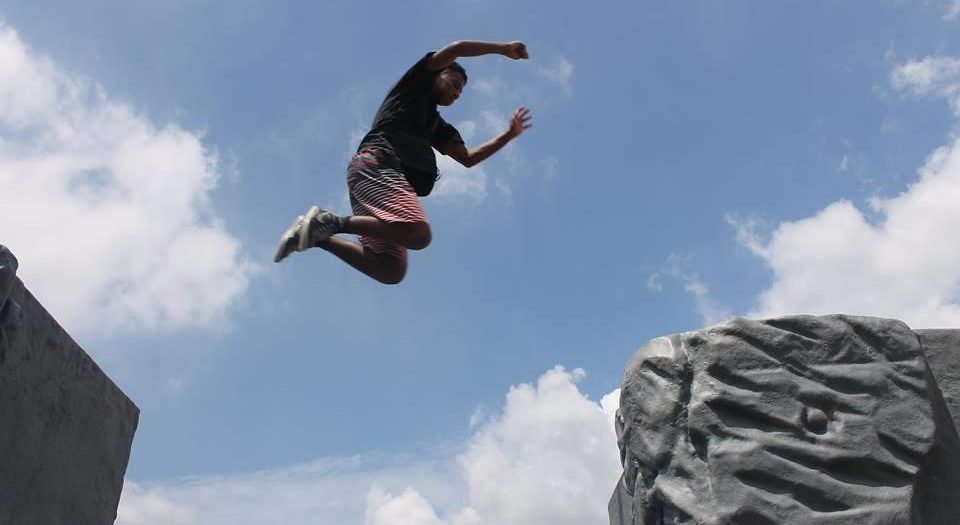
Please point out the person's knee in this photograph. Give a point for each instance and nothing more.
(392, 270)
(420, 236)
(412, 235)
(391, 277)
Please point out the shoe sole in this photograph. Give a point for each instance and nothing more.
(283, 249)
(304, 241)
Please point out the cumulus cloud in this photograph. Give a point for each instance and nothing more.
(409, 508)
(549, 457)
(898, 259)
(108, 213)
(459, 184)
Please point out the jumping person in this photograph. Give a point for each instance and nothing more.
(395, 164)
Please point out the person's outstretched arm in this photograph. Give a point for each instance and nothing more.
(519, 123)
(466, 48)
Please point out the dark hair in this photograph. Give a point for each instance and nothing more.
(459, 69)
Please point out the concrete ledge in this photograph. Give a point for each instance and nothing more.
(65, 428)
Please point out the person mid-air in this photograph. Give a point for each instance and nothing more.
(395, 164)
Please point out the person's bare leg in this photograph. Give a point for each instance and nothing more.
(410, 235)
(385, 268)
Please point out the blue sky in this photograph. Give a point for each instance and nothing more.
(688, 162)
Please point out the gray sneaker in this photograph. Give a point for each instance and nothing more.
(289, 241)
(318, 226)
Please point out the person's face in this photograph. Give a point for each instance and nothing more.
(447, 87)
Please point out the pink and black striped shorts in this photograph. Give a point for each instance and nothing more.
(379, 189)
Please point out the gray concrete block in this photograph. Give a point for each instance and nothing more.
(65, 428)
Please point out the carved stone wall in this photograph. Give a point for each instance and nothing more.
(798, 420)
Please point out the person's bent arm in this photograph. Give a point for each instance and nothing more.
(519, 123)
(467, 48)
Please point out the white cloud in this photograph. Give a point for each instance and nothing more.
(330, 491)
(707, 307)
(938, 76)
(504, 188)
(560, 72)
(468, 130)
(655, 283)
(459, 184)
(142, 506)
(953, 10)
(479, 416)
(904, 263)
(550, 457)
(490, 87)
(409, 508)
(844, 163)
(747, 234)
(494, 122)
(906, 266)
(356, 135)
(550, 167)
(109, 214)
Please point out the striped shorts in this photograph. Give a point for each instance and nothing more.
(379, 189)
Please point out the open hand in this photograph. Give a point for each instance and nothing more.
(515, 50)
(520, 121)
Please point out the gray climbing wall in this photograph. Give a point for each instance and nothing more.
(798, 420)
(65, 428)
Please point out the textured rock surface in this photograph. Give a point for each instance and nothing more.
(799, 420)
(939, 488)
(65, 428)
(942, 348)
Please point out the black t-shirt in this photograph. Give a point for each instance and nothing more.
(409, 125)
